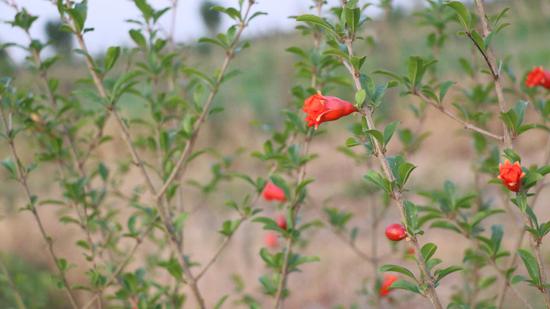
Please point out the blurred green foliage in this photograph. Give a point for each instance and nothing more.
(35, 284)
(266, 73)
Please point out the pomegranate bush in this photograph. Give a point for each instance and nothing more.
(132, 210)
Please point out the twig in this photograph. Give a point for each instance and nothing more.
(519, 240)
(122, 265)
(295, 208)
(182, 161)
(396, 195)
(167, 224)
(22, 178)
(465, 124)
(490, 59)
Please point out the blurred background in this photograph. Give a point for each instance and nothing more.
(253, 102)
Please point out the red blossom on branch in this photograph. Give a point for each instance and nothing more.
(385, 288)
(281, 222)
(511, 175)
(271, 240)
(538, 77)
(273, 193)
(321, 109)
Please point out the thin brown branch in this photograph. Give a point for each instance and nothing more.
(174, 242)
(521, 235)
(396, 195)
(181, 163)
(22, 178)
(466, 125)
(121, 266)
(490, 59)
(294, 206)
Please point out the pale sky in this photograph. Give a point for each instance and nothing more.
(108, 17)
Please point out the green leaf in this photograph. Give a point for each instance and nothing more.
(388, 132)
(180, 220)
(482, 215)
(406, 285)
(138, 38)
(497, 232)
(23, 20)
(531, 265)
(146, 10)
(442, 273)
(462, 13)
(478, 40)
(10, 166)
(111, 57)
(428, 250)
(229, 227)
(443, 89)
(378, 180)
(360, 97)
(78, 14)
(338, 218)
(318, 21)
(377, 135)
(404, 172)
(103, 171)
(267, 258)
(397, 269)
(173, 267)
(411, 216)
(352, 142)
(445, 225)
(511, 155)
(220, 302)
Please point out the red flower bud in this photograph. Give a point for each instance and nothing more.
(396, 232)
(271, 240)
(273, 193)
(385, 288)
(511, 175)
(281, 222)
(321, 109)
(538, 77)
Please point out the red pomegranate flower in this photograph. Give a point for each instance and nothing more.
(538, 77)
(385, 288)
(271, 240)
(273, 193)
(511, 175)
(321, 109)
(396, 232)
(281, 222)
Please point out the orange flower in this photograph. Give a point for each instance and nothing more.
(321, 109)
(271, 240)
(385, 288)
(511, 175)
(538, 77)
(281, 222)
(273, 193)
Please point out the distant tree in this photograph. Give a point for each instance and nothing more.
(5, 60)
(211, 18)
(61, 40)
(387, 6)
